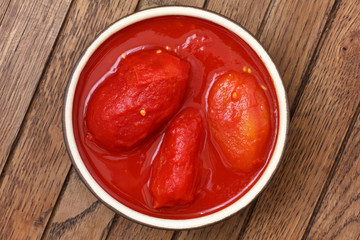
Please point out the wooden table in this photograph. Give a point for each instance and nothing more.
(315, 193)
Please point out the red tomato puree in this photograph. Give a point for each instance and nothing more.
(211, 51)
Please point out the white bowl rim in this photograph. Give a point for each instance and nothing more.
(177, 224)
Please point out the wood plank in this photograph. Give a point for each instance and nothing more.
(144, 4)
(247, 13)
(4, 4)
(228, 229)
(317, 130)
(272, 36)
(291, 37)
(24, 50)
(125, 229)
(79, 215)
(36, 171)
(339, 213)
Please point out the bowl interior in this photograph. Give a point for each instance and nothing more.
(184, 223)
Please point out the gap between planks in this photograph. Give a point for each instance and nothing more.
(137, 8)
(264, 20)
(3, 16)
(114, 221)
(205, 5)
(314, 57)
(66, 183)
(332, 172)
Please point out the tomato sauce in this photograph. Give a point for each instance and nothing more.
(211, 51)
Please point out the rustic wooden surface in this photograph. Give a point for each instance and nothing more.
(27, 27)
(315, 194)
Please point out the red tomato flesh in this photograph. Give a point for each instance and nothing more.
(240, 119)
(176, 167)
(144, 92)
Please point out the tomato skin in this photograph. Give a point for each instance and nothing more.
(239, 119)
(145, 92)
(176, 167)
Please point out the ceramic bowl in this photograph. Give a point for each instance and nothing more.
(171, 223)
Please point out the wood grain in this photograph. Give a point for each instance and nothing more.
(339, 214)
(24, 50)
(125, 229)
(247, 13)
(144, 4)
(290, 36)
(39, 164)
(79, 214)
(4, 4)
(228, 229)
(317, 129)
